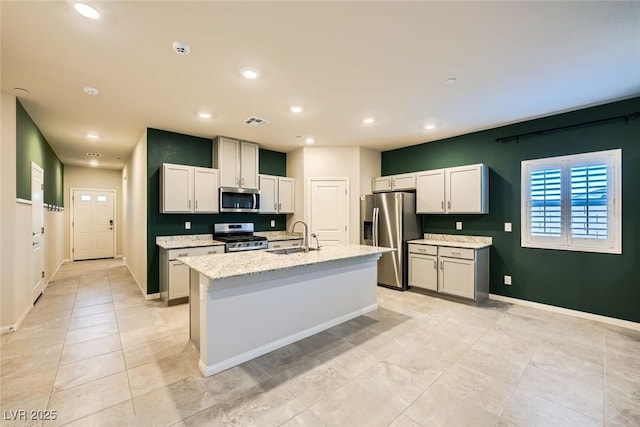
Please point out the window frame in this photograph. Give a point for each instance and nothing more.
(613, 243)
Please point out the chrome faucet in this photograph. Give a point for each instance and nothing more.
(305, 242)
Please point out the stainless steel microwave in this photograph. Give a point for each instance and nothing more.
(239, 200)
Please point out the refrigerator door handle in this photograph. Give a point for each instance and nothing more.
(375, 226)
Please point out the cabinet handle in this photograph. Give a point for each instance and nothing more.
(212, 252)
(442, 205)
(435, 264)
(189, 204)
(184, 254)
(441, 265)
(449, 204)
(196, 204)
(275, 207)
(276, 246)
(279, 206)
(455, 253)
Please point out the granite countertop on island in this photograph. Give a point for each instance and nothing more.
(187, 241)
(453, 240)
(222, 266)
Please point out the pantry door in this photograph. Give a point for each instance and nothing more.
(329, 210)
(93, 224)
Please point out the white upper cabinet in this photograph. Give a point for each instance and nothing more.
(430, 192)
(176, 188)
(187, 189)
(205, 190)
(276, 194)
(406, 181)
(237, 162)
(458, 190)
(285, 195)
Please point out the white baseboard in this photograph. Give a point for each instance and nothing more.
(66, 260)
(46, 284)
(208, 370)
(146, 296)
(576, 313)
(23, 316)
(152, 296)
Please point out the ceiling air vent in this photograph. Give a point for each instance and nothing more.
(94, 154)
(255, 121)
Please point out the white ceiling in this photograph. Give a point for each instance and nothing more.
(341, 60)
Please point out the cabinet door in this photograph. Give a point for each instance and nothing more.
(381, 184)
(176, 190)
(285, 195)
(228, 162)
(178, 280)
(268, 194)
(465, 189)
(423, 271)
(205, 190)
(403, 182)
(430, 192)
(249, 165)
(457, 277)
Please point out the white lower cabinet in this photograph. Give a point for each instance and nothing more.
(460, 272)
(174, 275)
(281, 244)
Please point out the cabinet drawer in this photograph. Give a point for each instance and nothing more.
(201, 250)
(462, 253)
(279, 244)
(415, 248)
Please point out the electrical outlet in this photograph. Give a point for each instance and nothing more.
(507, 227)
(273, 223)
(507, 280)
(187, 225)
(459, 225)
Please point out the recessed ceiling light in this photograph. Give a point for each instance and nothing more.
(93, 136)
(181, 48)
(86, 11)
(296, 109)
(451, 81)
(21, 90)
(204, 115)
(368, 120)
(309, 140)
(429, 127)
(250, 73)
(90, 90)
(94, 163)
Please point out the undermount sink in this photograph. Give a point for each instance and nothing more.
(287, 251)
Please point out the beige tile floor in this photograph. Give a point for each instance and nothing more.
(97, 353)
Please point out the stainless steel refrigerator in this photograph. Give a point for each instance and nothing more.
(389, 220)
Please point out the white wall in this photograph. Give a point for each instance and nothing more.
(53, 242)
(358, 164)
(134, 212)
(103, 179)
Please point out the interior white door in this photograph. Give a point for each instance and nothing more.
(328, 214)
(93, 224)
(37, 231)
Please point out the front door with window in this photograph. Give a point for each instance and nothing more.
(93, 224)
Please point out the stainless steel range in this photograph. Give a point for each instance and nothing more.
(239, 237)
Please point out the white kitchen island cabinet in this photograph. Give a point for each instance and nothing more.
(243, 305)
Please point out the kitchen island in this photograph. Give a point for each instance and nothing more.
(243, 305)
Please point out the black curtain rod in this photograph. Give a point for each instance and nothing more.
(632, 116)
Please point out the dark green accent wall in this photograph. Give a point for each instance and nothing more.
(273, 163)
(31, 145)
(171, 147)
(603, 284)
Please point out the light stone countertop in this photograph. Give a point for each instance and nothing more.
(454, 240)
(222, 266)
(187, 241)
(274, 236)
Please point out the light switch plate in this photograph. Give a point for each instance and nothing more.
(459, 225)
(507, 280)
(507, 227)
(187, 225)
(273, 223)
